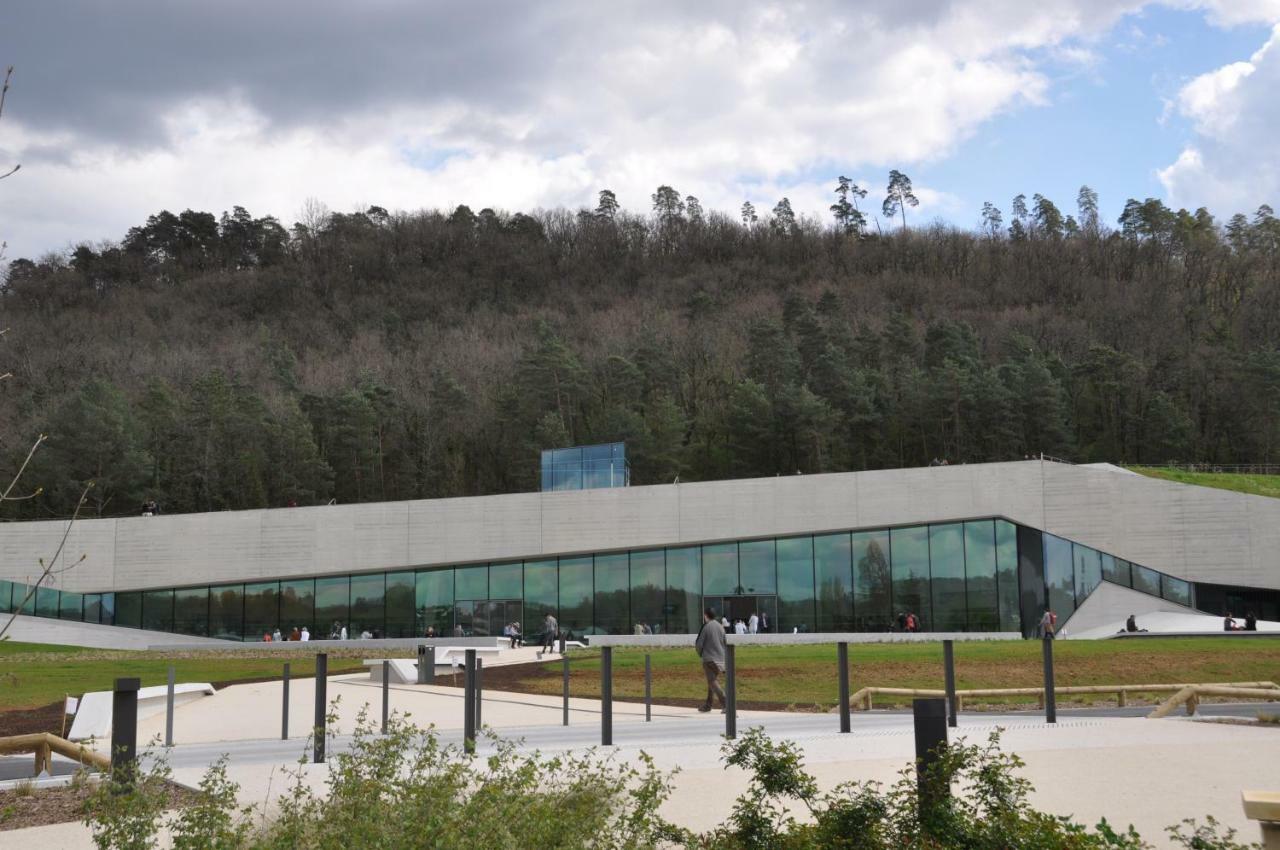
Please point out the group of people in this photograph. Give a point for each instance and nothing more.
(298, 634)
(512, 632)
(757, 623)
(336, 632)
(1229, 623)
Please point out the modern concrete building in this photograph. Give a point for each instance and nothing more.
(980, 547)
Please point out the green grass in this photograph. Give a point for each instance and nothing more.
(805, 676)
(1257, 485)
(33, 675)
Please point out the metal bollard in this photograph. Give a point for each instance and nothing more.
(479, 690)
(469, 704)
(168, 709)
(563, 640)
(1050, 698)
(949, 675)
(322, 686)
(648, 689)
(565, 661)
(730, 694)
(284, 711)
(124, 729)
(842, 656)
(930, 716)
(606, 695)
(422, 664)
(431, 665)
(386, 693)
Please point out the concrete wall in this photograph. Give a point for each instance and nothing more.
(1190, 532)
(1110, 605)
(67, 633)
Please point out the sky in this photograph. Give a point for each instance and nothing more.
(119, 108)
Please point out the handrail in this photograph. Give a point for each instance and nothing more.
(865, 695)
(44, 744)
(1191, 694)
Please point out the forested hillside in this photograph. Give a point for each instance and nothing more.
(230, 362)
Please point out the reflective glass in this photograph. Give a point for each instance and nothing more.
(1007, 575)
(333, 597)
(400, 606)
(684, 590)
(1031, 596)
(191, 611)
(471, 582)
(505, 581)
(46, 602)
(1147, 580)
(1088, 567)
(262, 611)
(93, 607)
(1059, 577)
(612, 614)
(71, 606)
(946, 573)
(433, 600)
(541, 596)
(108, 615)
(226, 611)
(833, 571)
(720, 570)
(576, 592)
(129, 610)
(648, 589)
(157, 610)
(21, 601)
(1176, 590)
(1116, 570)
(796, 603)
(6, 594)
(298, 608)
(368, 605)
(757, 567)
(980, 576)
(909, 559)
(871, 582)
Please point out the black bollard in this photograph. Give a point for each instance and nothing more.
(1050, 699)
(422, 664)
(949, 675)
(284, 711)
(124, 729)
(565, 662)
(930, 717)
(479, 690)
(648, 689)
(606, 695)
(386, 693)
(322, 685)
(469, 703)
(730, 694)
(563, 639)
(168, 709)
(842, 655)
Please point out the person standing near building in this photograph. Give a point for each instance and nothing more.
(710, 645)
(764, 621)
(1048, 623)
(753, 624)
(550, 631)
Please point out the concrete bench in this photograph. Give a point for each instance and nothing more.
(405, 670)
(1264, 807)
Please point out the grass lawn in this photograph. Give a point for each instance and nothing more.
(804, 677)
(1257, 485)
(34, 675)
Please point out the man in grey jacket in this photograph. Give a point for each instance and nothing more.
(710, 646)
(550, 631)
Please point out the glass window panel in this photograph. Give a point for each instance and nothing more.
(298, 608)
(872, 600)
(226, 611)
(71, 606)
(1031, 598)
(191, 611)
(46, 602)
(157, 610)
(947, 578)
(720, 570)
(400, 605)
(505, 581)
(129, 610)
(576, 592)
(471, 582)
(757, 567)
(980, 576)
(21, 602)
(1059, 577)
(684, 590)
(93, 607)
(1007, 575)
(108, 615)
(262, 611)
(433, 600)
(909, 560)
(648, 589)
(541, 597)
(833, 572)
(1176, 590)
(1145, 579)
(612, 614)
(333, 598)
(6, 596)
(1088, 567)
(368, 605)
(796, 603)
(1122, 573)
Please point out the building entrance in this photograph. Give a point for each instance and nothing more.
(742, 607)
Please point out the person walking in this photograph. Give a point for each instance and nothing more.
(1048, 622)
(710, 645)
(550, 631)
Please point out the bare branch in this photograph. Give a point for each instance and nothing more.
(5, 496)
(48, 570)
(4, 90)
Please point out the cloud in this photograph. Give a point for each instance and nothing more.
(1233, 165)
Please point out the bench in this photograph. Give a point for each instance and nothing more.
(404, 671)
(1264, 807)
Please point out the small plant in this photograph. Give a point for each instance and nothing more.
(1269, 719)
(24, 788)
(1195, 836)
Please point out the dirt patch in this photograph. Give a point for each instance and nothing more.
(23, 721)
(41, 807)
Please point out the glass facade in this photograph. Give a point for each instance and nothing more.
(979, 575)
(585, 467)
